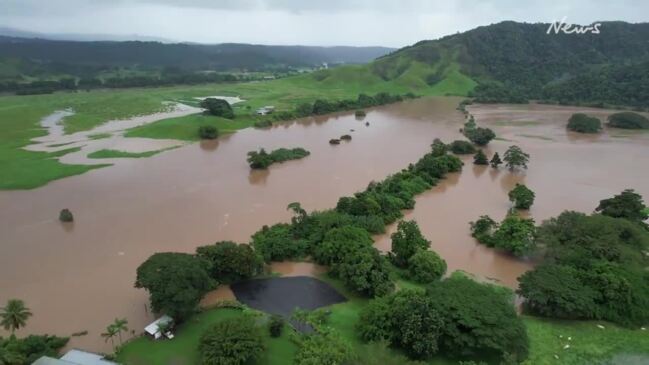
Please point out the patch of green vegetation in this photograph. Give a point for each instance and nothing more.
(534, 136)
(123, 154)
(183, 349)
(588, 344)
(186, 128)
(99, 136)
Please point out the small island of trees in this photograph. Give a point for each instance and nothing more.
(263, 159)
(628, 120)
(582, 123)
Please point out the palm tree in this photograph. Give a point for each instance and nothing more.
(14, 315)
(110, 334)
(120, 325)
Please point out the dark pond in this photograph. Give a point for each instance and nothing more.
(283, 295)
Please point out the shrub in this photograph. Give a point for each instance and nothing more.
(217, 107)
(334, 141)
(462, 147)
(426, 266)
(360, 113)
(66, 215)
(345, 137)
(480, 158)
(276, 325)
(233, 341)
(263, 124)
(522, 197)
(582, 123)
(208, 132)
(628, 120)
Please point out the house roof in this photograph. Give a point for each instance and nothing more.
(74, 357)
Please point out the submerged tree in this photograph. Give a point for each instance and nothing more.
(406, 241)
(480, 158)
(628, 205)
(495, 161)
(522, 197)
(66, 215)
(14, 315)
(516, 158)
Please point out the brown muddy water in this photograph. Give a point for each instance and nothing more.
(80, 277)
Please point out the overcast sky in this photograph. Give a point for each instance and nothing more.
(394, 23)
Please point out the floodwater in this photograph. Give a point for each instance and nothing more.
(80, 276)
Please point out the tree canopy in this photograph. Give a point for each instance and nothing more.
(233, 341)
(582, 123)
(628, 120)
(176, 282)
(231, 262)
(516, 158)
(406, 241)
(628, 205)
(218, 107)
(521, 196)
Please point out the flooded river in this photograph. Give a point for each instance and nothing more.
(80, 277)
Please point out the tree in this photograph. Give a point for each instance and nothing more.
(515, 235)
(628, 205)
(277, 243)
(516, 158)
(495, 161)
(480, 158)
(462, 147)
(276, 325)
(66, 215)
(14, 315)
(217, 107)
(259, 160)
(426, 266)
(408, 319)
(406, 241)
(231, 262)
(480, 136)
(176, 282)
(582, 123)
(521, 196)
(120, 324)
(325, 347)
(557, 291)
(110, 334)
(479, 318)
(438, 148)
(339, 243)
(233, 341)
(366, 272)
(208, 132)
(21, 351)
(628, 120)
(483, 229)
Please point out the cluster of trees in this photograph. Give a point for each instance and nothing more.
(462, 147)
(70, 84)
(176, 282)
(22, 351)
(410, 251)
(456, 316)
(478, 135)
(628, 120)
(263, 159)
(521, 196)
(321, 106)
(208, 132)
(217, 107)
(340, 238)
(582, 123)
(515, 234)
(233, 341)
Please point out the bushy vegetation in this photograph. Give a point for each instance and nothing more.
(176, 282)
(521, 196)
(515, 158)
(66, 215)
(426, 266)
(208, 132)
(514, 234)
(231, 262)
(406, 242)
(628, 120)
(480, 158)
(582, 123)
(217, 107)
(462, 147)
(263, 159)
(23, 351)
(456, 316)
(479, 135)
(323, 347)
(276, 325)
(628, 205)
(594, 268)
(233, 341)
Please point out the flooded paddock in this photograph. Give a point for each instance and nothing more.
(80, 277)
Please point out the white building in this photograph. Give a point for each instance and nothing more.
(265, 110)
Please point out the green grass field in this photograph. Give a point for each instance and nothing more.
(20, 115)
(183, 349)
(123, 154)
